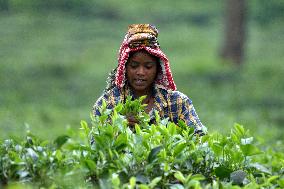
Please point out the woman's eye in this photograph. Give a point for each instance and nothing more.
(149, 66)
(133, 64)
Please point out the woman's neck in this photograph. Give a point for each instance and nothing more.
(147, 93)
(137, 94)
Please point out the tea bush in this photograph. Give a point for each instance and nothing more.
(109, 154)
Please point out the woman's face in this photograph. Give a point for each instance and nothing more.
(141, 71)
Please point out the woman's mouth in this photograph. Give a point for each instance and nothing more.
(139, 81)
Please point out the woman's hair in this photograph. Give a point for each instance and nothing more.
(111, 77)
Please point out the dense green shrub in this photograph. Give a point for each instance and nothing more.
(161, 155)
(265, 12)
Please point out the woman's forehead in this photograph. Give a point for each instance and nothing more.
(143, 54)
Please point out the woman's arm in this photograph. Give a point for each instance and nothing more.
(190, 117)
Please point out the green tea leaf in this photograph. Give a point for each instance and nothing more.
(182, 124)
(115, 180)
(217, 148)
(137, 129)
(153, 154)
(197, 177)
(178, 175)
(172, 129)
(132, 182)
(121, 142)
(61, 140)
(143, 186)
(179, 148)
(119, 107)
(154, 182)
(239, 129)
(91, 165)
(223, 172)
(249, 150)
(164, 131)
(260, 168)
(281, 182)
(58, 155)
(85, 127)
(272, 178)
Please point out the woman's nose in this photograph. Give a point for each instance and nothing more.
(140, 70)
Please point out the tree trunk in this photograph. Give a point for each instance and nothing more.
(235, 22)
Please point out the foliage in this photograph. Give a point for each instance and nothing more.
(200, 13)
(266, 12)
(54, 66)
(134, 108)
(55, 57)
(162, 155)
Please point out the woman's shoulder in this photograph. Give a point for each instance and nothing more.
(113, 93)
(174, 96)
(179, 94)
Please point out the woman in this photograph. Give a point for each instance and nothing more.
(144, 70)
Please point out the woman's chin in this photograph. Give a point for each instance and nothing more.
(140, 89)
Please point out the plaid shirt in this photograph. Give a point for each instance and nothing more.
(170, 104)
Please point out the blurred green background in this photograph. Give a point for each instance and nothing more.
(56, 54)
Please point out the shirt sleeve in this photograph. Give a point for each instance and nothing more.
(190, 117)
(96, 111)
(97, 106)
(111, 98)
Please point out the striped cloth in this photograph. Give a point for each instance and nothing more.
(170, 104)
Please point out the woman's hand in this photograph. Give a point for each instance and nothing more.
(131, 120)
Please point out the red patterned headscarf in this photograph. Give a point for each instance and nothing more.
(139, 37)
